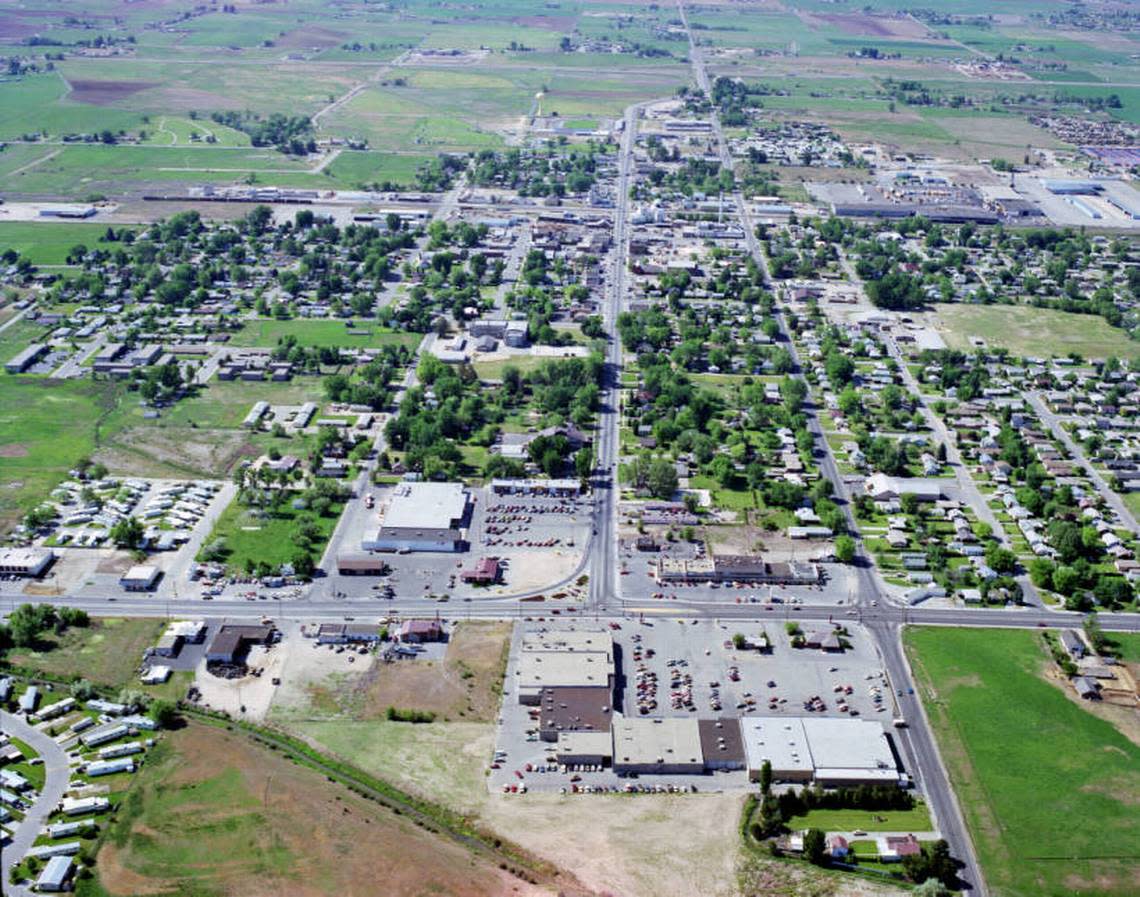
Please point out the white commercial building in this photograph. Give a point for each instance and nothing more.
(831, 752)
(423, 517)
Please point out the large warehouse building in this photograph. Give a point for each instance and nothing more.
(558, 667)
(830, 752)
(424, 517)
(659, 746)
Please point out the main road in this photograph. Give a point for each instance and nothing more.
(917, 740)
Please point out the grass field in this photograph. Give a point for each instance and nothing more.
(915, 820)
(45, 427)
(270, 539)
(49, 242)
(364, 335)
(212, 814)
(1024, 330)
(493, 370)
(1049, 791)
(106, 653)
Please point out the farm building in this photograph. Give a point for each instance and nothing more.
(428, 517)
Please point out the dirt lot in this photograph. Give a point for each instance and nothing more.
(873, 26)
(310, 36)
(466, 685)
(176, 451)
(319, 684)
(105, 93)
(218, 815)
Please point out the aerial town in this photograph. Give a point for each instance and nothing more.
(571, 448)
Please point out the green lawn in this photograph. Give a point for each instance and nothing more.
(915, 820)
(106, 653)
(493, 370)
(1049, 790)
(48, 242)
(270, 539)
(363, 334)
(1127, 645)
(1024, 330)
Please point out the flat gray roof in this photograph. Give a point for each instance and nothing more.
(426, 506)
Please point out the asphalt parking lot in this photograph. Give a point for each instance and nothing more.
(539, 538)
(697, 672)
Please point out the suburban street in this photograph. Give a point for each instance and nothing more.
(57, 776)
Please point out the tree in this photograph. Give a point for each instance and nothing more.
(739, 641)
(844, 549)
(815, 847)
(661, 478)
(164, 712)
(127, 533)
(1000, 559)
(766, 777)
(303, 564)
(909, 503)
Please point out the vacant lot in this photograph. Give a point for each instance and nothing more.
(45, 427)
(1050, 792)
(49, 242)
(212, 813)
(465, 685)
(106, 653)
(1033, 331)
(915, 820)
(252, 539)
(342, 334)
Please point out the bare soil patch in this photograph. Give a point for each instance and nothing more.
(875, 26)
(269, 827)
(561, 24)
(310, 36)
(466, 684)
(176, 451)
(13, 450)
(106, 93)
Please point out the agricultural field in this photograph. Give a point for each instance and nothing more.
(211, 813)
(1035, 773)
(49, 242)
(1024, 330)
